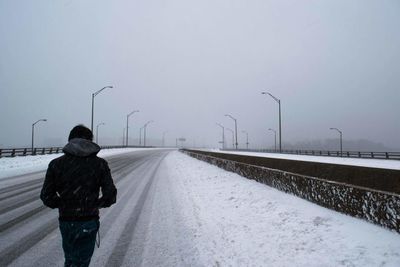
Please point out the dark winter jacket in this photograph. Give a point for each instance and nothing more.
(73, 182)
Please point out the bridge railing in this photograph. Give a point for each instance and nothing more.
(345, 154)
(14, 152)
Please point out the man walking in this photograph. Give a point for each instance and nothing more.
(72, 184)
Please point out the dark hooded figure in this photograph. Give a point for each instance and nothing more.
(72, 184)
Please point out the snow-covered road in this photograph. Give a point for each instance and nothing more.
(29, 234)
(173, 210)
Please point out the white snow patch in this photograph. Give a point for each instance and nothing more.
(22, 165)
(372, 163)
(223, 219)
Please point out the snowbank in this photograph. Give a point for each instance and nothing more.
(21, 165)
(223, 219)
(373, 163)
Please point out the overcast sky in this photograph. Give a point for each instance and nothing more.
(184, 64)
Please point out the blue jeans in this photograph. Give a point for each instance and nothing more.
(78, 241)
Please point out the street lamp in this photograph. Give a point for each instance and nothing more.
(93, 96)
(123, 137)
(97, 131)
(33, 131)
(341, 139)
(275, 136)
(227, 115)
(140, 136)
(223, 135)
(163, 138)
(233, 138)
(144, 132)
(247, 139)
(280, 119)
(127, 125)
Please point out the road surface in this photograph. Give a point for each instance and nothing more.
(29, 231)
(173, 210)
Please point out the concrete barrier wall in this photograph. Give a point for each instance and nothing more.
(374, 206)
(374, 178)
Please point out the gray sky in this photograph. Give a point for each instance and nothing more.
(185, 64)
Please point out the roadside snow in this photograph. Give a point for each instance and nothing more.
(22, 165)
(196, 214)
(205, 216)
(372, 163)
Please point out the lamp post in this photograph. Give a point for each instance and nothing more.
(230, 116)
(233, 138)
(144, 132)
(247, 139)
(223, 135)
(127, 126)
(280, 119)
(163, 138)
(274, 135)
(97, 131)
(123, 137)
(341, 139)
(33, 131)
(140, 136)
(93, 96)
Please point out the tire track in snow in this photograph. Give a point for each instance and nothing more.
(15, 250)
(39, 181)
(21, 218)
(117, 180)
(25, 188)
(20, 176)
(36, 211)
(108, 217)
(118, 254)
(15, 187)
(20, 203)
(40, 207)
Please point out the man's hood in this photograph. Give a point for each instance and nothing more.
(81, 147)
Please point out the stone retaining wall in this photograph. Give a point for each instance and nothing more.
(374, 206)
(374, 178)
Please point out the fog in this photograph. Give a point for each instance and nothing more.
(184, 64)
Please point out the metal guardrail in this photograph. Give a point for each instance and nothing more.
(14, 152)
(344, 154)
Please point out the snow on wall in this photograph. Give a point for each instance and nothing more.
(377, 207)
(370, 176)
